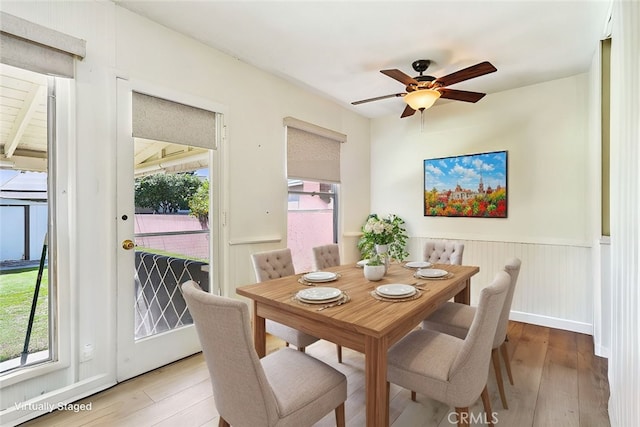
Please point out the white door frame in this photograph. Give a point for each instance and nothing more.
(136, 357)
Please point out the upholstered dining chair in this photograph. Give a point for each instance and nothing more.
(285, 388)
(456, 319)
(443, 251)
(447, 368)
(326, 256)
(273, 265)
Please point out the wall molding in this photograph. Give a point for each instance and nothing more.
(525, 240)
(255, 240)
(555, 286)
(552, 322)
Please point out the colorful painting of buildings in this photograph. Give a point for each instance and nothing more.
(466, 186)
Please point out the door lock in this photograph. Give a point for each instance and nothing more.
(128, 244)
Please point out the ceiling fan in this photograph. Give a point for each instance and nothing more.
(422, 91)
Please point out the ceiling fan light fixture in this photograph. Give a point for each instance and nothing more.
(421, 99)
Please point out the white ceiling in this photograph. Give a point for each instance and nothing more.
(337, 48)
(23, 119)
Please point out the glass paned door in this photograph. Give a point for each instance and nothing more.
(164, 238)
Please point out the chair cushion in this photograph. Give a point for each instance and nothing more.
(421, 361)
(451, 318)
(447, 368)
(300, 401)
(289, 334)
(455, 319)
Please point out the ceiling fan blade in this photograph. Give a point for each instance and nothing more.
(465, 74)
(377, 98)
(408, 111)
(461, 95)
(400, 76)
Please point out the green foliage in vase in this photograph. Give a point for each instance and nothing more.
(374, 260)
(384, 231)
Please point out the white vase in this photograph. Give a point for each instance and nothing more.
(374, 272)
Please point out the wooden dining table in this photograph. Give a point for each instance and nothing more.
(365, 323)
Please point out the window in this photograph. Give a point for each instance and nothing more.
(313, 168)
(311, 219)
(34, 163)
(28, 288)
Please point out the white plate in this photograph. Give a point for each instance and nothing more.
(324, 301)
(319, 294)
(362, 263)
(418, 264)
(320, 276)
(431, 273)
(395, 290)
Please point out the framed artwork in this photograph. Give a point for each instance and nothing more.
(473, 185)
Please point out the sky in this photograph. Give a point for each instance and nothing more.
(445, 173)
(6, 175)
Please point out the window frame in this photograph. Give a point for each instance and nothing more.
(60, 175)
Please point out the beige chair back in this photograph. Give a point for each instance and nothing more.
(326, 256)
(513, 268)
(273, 264)
(240, 388)
(443, 252)
(468, 373)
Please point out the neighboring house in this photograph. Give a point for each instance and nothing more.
(23, 209)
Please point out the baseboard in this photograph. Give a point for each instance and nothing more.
(40, 405)
(552, 322)
(601, 351)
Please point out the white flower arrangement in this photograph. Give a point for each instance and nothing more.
(384, 231)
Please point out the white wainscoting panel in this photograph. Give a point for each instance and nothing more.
(555, 286)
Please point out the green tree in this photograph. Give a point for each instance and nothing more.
(166, 193)
(199, 204)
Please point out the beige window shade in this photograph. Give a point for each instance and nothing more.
(162, 120)
(314, 129)
(33, 47)
(312, 156)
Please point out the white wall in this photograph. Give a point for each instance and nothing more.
(624, 363)
(551, 201)
(120, 43)
(544, 127)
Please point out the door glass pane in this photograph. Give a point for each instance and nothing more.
(24, 209)
(310, 220)
(171, 229)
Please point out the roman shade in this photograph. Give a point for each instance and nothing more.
(163, 120)
(313, 152)
(33, 47)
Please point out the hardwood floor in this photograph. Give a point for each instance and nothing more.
(558, 382)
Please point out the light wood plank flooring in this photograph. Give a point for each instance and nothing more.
(558, 382)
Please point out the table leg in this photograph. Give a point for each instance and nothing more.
(259, 332)
(377, 400)
(464, 296)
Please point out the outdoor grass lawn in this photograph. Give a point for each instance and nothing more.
(16, 294)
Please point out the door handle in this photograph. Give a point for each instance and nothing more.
(128, 244)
